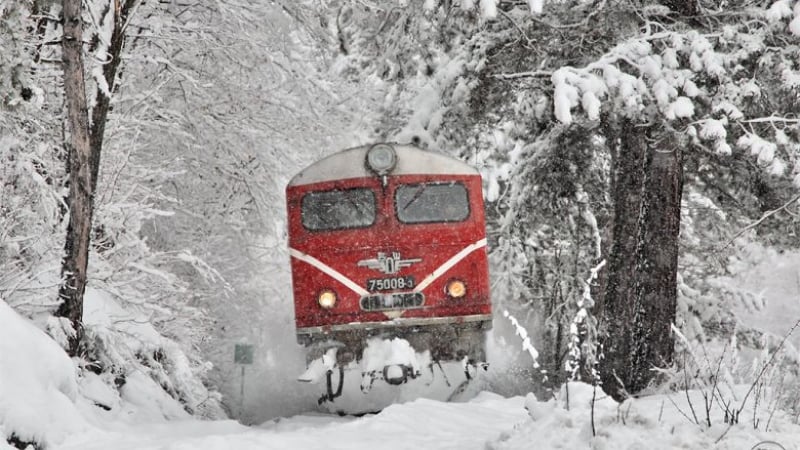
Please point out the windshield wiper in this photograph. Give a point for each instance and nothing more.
(415, 197)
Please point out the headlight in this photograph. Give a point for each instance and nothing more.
(327, 299)
(456, 288)
(381, 158)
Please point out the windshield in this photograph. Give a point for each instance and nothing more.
(433, 202)
(338, 209)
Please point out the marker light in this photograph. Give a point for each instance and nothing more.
(327, 299)
(381, 158)
(456, 288)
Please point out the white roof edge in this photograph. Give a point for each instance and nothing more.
(411, 160)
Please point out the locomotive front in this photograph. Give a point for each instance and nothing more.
(389, 241)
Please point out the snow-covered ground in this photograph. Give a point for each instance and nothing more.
(422, 424)
(488, 421)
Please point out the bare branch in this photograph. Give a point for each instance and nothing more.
(533, 73)
(771, 119)
(768, 363)
(758, 222)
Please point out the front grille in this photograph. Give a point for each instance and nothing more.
(400, 300)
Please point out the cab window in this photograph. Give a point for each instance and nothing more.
(431, 202)
(338, 209)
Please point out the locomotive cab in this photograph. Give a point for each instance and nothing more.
(389, 241)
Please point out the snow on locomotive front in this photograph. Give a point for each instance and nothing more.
(389, 240)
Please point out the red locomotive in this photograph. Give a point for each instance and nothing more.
(389, 240)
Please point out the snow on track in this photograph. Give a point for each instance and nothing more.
(421, 424)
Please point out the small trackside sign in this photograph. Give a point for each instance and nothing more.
(243, 354)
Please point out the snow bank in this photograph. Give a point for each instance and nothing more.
(103, 313)
(419, 424)
(44, 398)
(38, 384)
(145, 377)
(148, 401)
(582, 417)
(156, 379)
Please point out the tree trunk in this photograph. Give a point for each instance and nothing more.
(628, 147)
(640, 299)
(84, 148)
(76, 247)
(655, 293)
(682, 7)
(103, 105)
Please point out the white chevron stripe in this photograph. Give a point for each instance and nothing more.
(329, 270)
(449, 264)
(441, 270)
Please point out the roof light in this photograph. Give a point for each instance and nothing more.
(381, 158)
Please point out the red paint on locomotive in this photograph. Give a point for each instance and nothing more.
(379, 267)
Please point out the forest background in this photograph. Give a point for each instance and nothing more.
(601, 129)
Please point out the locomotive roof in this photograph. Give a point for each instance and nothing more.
(351, 163)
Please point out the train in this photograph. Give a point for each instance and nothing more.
(389, 240)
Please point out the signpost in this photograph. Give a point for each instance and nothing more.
(242, 355)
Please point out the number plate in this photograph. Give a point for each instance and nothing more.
(390, 284)
(385, 302)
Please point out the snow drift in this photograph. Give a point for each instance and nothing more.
(38, 384)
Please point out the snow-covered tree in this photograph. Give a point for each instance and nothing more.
(34, 211)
